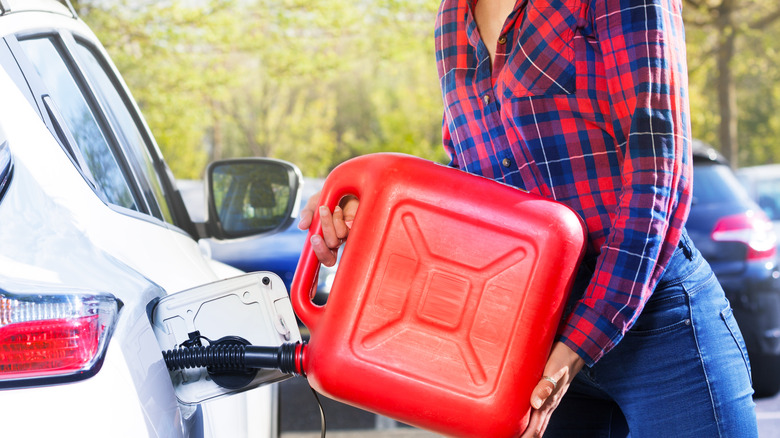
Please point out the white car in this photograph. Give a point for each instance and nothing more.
(93, 233)
(763, 185)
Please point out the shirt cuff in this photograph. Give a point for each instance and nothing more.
(589, 333)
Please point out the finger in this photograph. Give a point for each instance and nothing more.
(324, 254)
(545, 422)
(535, 425)
(350, 205)
(306, 217)
(328, 229)
(338, 223)
(307, 212)
(541, 392)
(540, 415)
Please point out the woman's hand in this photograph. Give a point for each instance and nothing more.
(562, 366)
(335, 226)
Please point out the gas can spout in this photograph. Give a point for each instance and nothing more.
(229, 357)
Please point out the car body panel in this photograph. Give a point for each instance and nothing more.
(726, 258)
(72, 203)
(717, 194)
(752, 285)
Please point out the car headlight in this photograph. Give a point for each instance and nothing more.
(56, 337)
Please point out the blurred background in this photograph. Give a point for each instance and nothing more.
(316, 82)
(313, 82)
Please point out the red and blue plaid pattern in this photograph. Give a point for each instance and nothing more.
(586, 103)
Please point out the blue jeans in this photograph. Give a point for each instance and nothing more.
(681, 371)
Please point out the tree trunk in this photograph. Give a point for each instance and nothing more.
(727, 95)
(217, 140)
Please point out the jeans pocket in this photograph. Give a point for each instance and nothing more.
(727, 315)
(663, 315)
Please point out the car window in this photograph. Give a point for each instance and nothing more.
(716, 183)
(122, 121)
(64, 90)
(767, 193)
(8, 63)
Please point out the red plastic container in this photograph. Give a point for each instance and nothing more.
(446, 300)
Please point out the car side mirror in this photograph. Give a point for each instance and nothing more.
(250, 196)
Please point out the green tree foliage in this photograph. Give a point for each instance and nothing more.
(732, 54)
(314, 82)
(169, 55)
(317, 82)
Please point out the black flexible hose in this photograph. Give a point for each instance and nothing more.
(231, 354)
(226, 357)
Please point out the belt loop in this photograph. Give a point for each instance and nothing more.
(685, 245)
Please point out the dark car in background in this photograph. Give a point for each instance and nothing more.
(737, 238)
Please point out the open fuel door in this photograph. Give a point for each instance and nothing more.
(252, 309)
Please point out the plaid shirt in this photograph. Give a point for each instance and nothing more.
(586, 103)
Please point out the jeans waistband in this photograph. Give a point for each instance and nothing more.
(684, 261)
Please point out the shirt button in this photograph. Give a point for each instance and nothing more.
(486, 99)
(506, 162)
(502, 39)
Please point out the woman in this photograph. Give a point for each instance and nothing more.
(585, 102)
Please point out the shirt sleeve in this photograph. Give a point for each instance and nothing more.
(449, 147)
(643, 48)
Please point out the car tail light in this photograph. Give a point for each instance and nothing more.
(52, 338)
(752, 228)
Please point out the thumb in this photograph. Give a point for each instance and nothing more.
(350, 206)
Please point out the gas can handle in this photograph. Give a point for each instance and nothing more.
(362, 177)
(304, 284)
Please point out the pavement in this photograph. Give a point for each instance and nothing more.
(348, 422)
(388, 433)
(768, 414)
(300, 417)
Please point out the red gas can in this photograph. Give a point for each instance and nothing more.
(446, 300)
